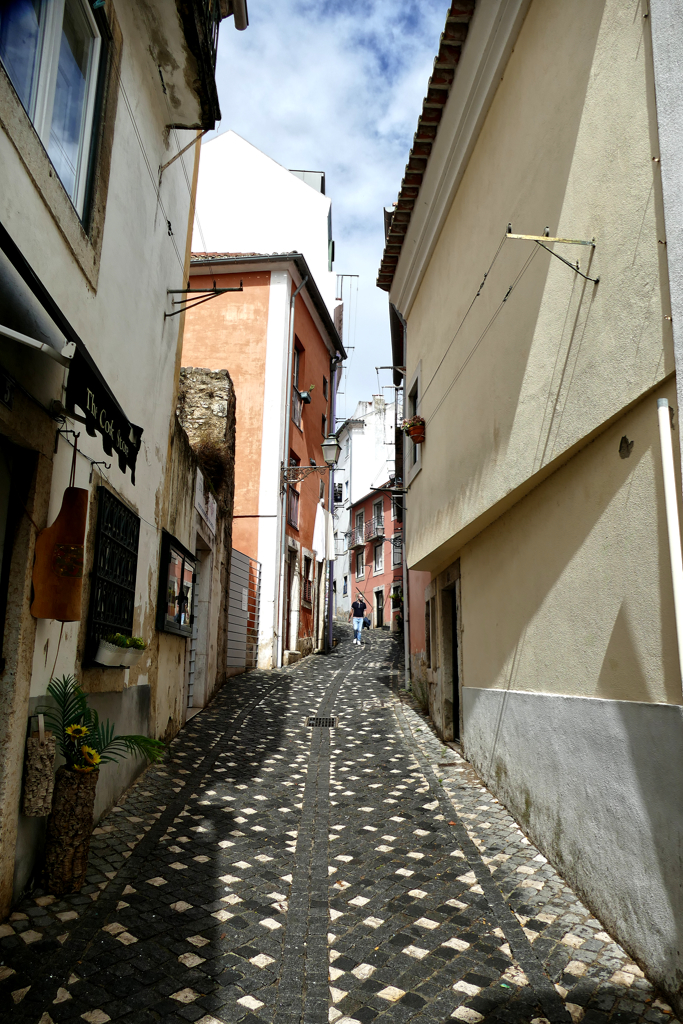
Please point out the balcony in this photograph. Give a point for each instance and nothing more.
(357, 537)
(374, 530)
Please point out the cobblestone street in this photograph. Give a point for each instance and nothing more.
(271, 872)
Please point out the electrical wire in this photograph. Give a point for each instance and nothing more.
(467, 313)
(155, 185)
(483, 334)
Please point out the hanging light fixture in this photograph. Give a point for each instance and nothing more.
(331, 450)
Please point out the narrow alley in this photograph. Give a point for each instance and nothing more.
(270, 871)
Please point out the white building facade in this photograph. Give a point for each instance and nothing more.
(96, 101)
(366, 461)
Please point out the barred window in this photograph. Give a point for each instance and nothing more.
(112, 585)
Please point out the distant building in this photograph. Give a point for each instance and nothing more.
(375, 556)
(261, 334)
(247, 202)
(366, 461)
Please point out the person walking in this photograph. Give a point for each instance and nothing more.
(357, 613)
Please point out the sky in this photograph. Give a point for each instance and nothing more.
(337, 86)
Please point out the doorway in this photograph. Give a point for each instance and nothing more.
(379, 608)
(450, 661)
(455, 661)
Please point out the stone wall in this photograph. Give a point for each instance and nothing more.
(206, 411)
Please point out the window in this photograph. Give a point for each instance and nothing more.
(359, 533)
(379, 557)
(112, 586)
(293, 497)
(397, 549)
(324, 425)
(412, 406)
(325, 387)
(360, 565)
(346, 586)
(338, 493)
(307, 583)
(51, 51)
(175, 608)
(428, 634)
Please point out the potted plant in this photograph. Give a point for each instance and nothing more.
(110, 650)
(86, 744)
(134, 651)
(414, 428)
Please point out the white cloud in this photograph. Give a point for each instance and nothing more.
(337, 85)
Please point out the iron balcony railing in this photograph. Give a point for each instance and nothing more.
(357, 537)
(374, 528)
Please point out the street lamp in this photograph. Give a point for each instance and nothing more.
(331, 450)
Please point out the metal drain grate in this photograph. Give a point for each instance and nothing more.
(321, 723)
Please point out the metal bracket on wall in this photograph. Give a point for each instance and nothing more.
(208, 293)
(546, 237)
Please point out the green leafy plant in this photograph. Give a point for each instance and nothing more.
(84, 741)
(118, 640)
(138, 643)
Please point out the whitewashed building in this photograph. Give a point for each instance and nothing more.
(96, 102)
(366, 461)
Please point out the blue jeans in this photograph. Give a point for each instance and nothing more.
(357, 627)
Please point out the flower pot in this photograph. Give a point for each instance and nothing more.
(131, 656)
(110, 654)
(417, 434)
(69, 829)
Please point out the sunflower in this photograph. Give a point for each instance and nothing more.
(90, 756)
(76, 732)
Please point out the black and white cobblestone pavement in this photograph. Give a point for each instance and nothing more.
(269, 872)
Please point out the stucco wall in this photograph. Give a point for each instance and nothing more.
(230, 332)
(570, 591)
(568, 143)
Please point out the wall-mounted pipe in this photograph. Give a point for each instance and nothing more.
(672, 521)
(280, 625)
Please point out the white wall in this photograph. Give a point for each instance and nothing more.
(248, 203)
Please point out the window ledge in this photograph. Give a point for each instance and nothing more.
(18, 128)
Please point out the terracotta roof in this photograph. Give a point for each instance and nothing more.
(438, 90)
(196, 256)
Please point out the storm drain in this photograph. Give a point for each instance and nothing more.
(321, 723)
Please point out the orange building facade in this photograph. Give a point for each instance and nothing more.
(283, 381)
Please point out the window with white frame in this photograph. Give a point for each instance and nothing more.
(51, 50)
(379, 557)
(360, 565)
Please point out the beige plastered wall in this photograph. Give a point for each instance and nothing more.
(568, 143)
(570, 591)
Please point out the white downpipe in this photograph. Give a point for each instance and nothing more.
(280, 625)
(672, 521)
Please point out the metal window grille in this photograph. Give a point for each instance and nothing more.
(293, 507)
(297, 406)
(397, 549)
(307, 591)
(112, 584)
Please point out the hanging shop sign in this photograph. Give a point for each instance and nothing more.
(87, 394)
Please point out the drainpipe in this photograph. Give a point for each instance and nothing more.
(279, 624)
(672, 520)
(404, 496)
(333, 422)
